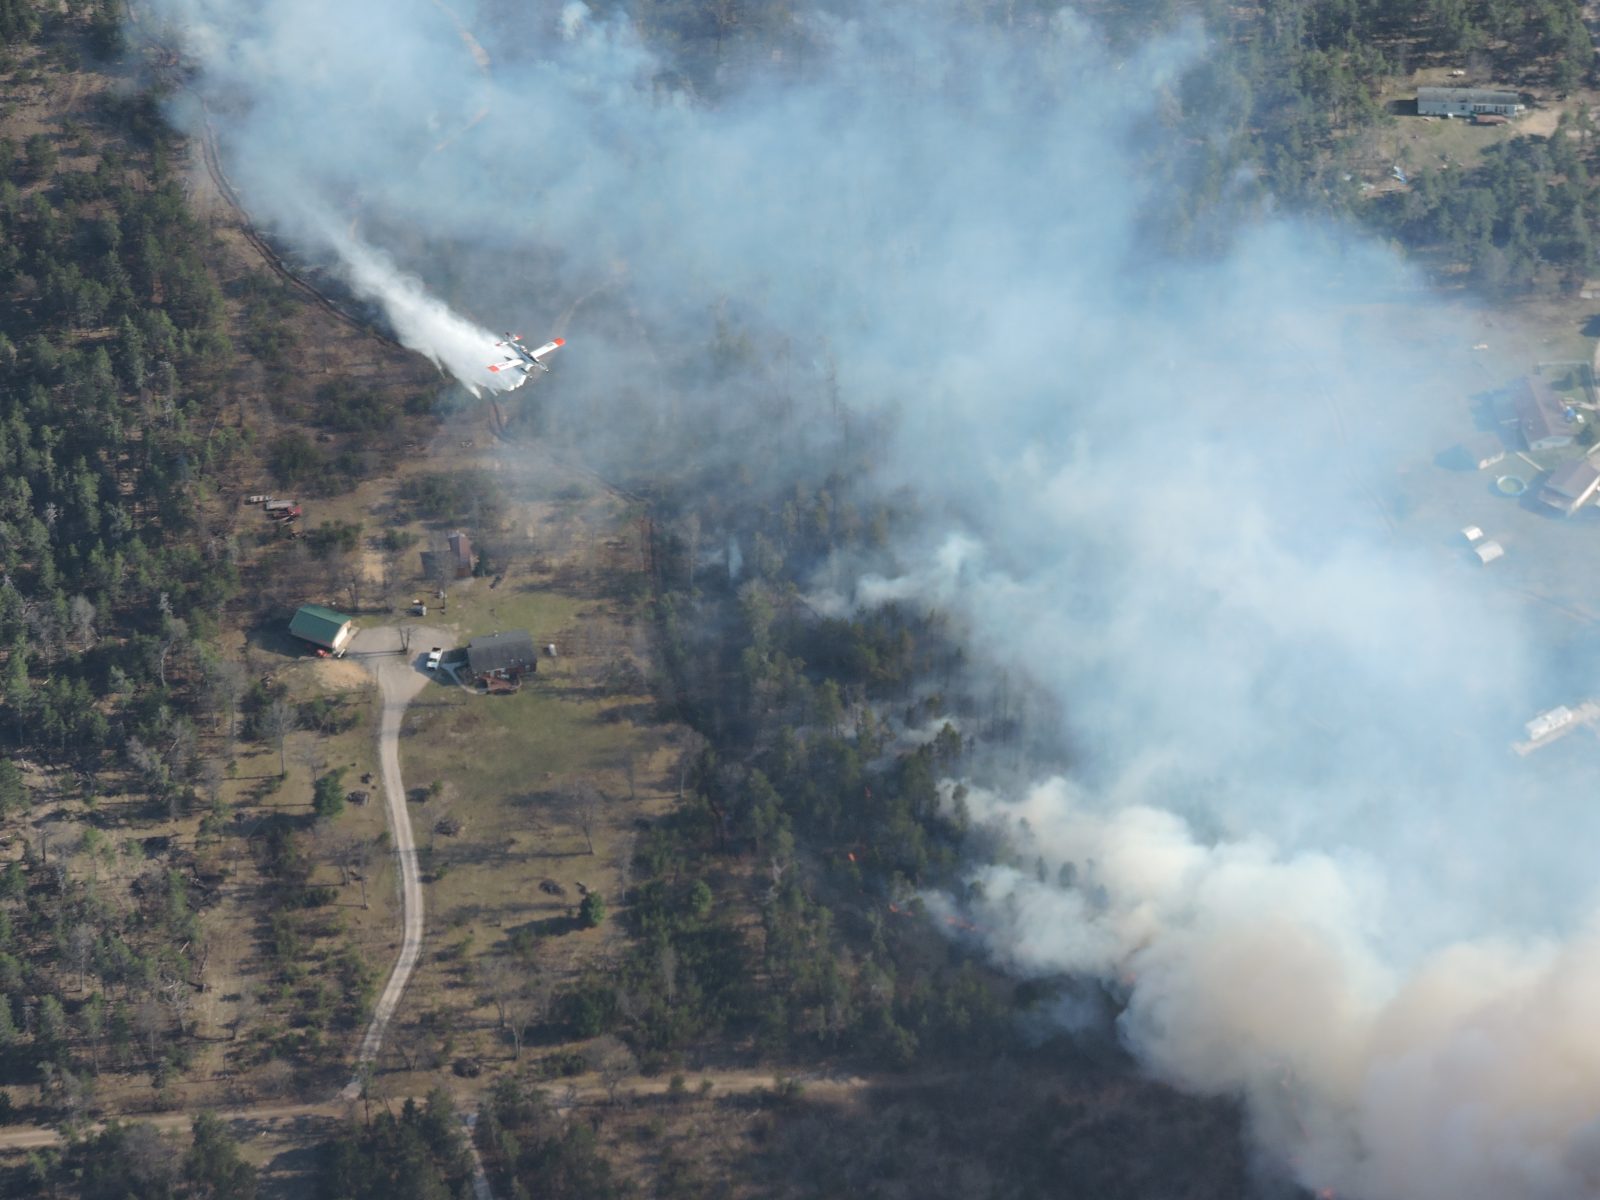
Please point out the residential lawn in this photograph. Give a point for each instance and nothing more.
(473, 608)
(504, 745)
(503, 823)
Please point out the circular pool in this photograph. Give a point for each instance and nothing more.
(1510, 485)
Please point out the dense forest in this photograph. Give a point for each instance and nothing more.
(806, 794)
(136, 1162)
(111, 351)
(114, 337)
(417, 1154)
(119, 714)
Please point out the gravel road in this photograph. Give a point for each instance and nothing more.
(400, 678)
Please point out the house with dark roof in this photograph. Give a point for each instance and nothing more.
(1466, 102)
(508, 655)
(1571, 486)
(323, 627)
(1540, 416)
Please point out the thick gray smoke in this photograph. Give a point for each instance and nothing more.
(1193, 500)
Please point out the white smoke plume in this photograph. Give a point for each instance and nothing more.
(1192, 499)
(1252, 972)
(424, 323)
(240, 59)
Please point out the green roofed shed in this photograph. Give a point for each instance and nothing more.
(322, 627)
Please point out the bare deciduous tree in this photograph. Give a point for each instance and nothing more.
(80, 952)
(527, 1006)
(441, 569)
(410, 1043)
(389, 574)
(80, 613)
(353, 577)
(360, 865)
(311, 754)
(278, 722)
(212, 776)
(581, 801)
(224, 687)
(622, 857)
(151, 764)
(444, 822)
(150, 1023)
(55, 833)
(693, 746)
(92, 1017)
(612, 1061)
(150, 1160)
(500, 978)
(178, 994)
(174, 633)
(350, 852)
(180, 749)
(44, 632)
(245, 1012)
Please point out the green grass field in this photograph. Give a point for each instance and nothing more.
(500, 746)
(518, 603)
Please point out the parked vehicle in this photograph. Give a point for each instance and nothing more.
(435, 656)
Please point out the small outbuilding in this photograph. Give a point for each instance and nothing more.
(1466, 102)
(1473, 534)
(1487, 552)
(1571, 486)
(508, 655)
(323, 627)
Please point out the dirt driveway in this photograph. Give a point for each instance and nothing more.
(400, 677)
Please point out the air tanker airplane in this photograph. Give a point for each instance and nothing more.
(522, 359)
